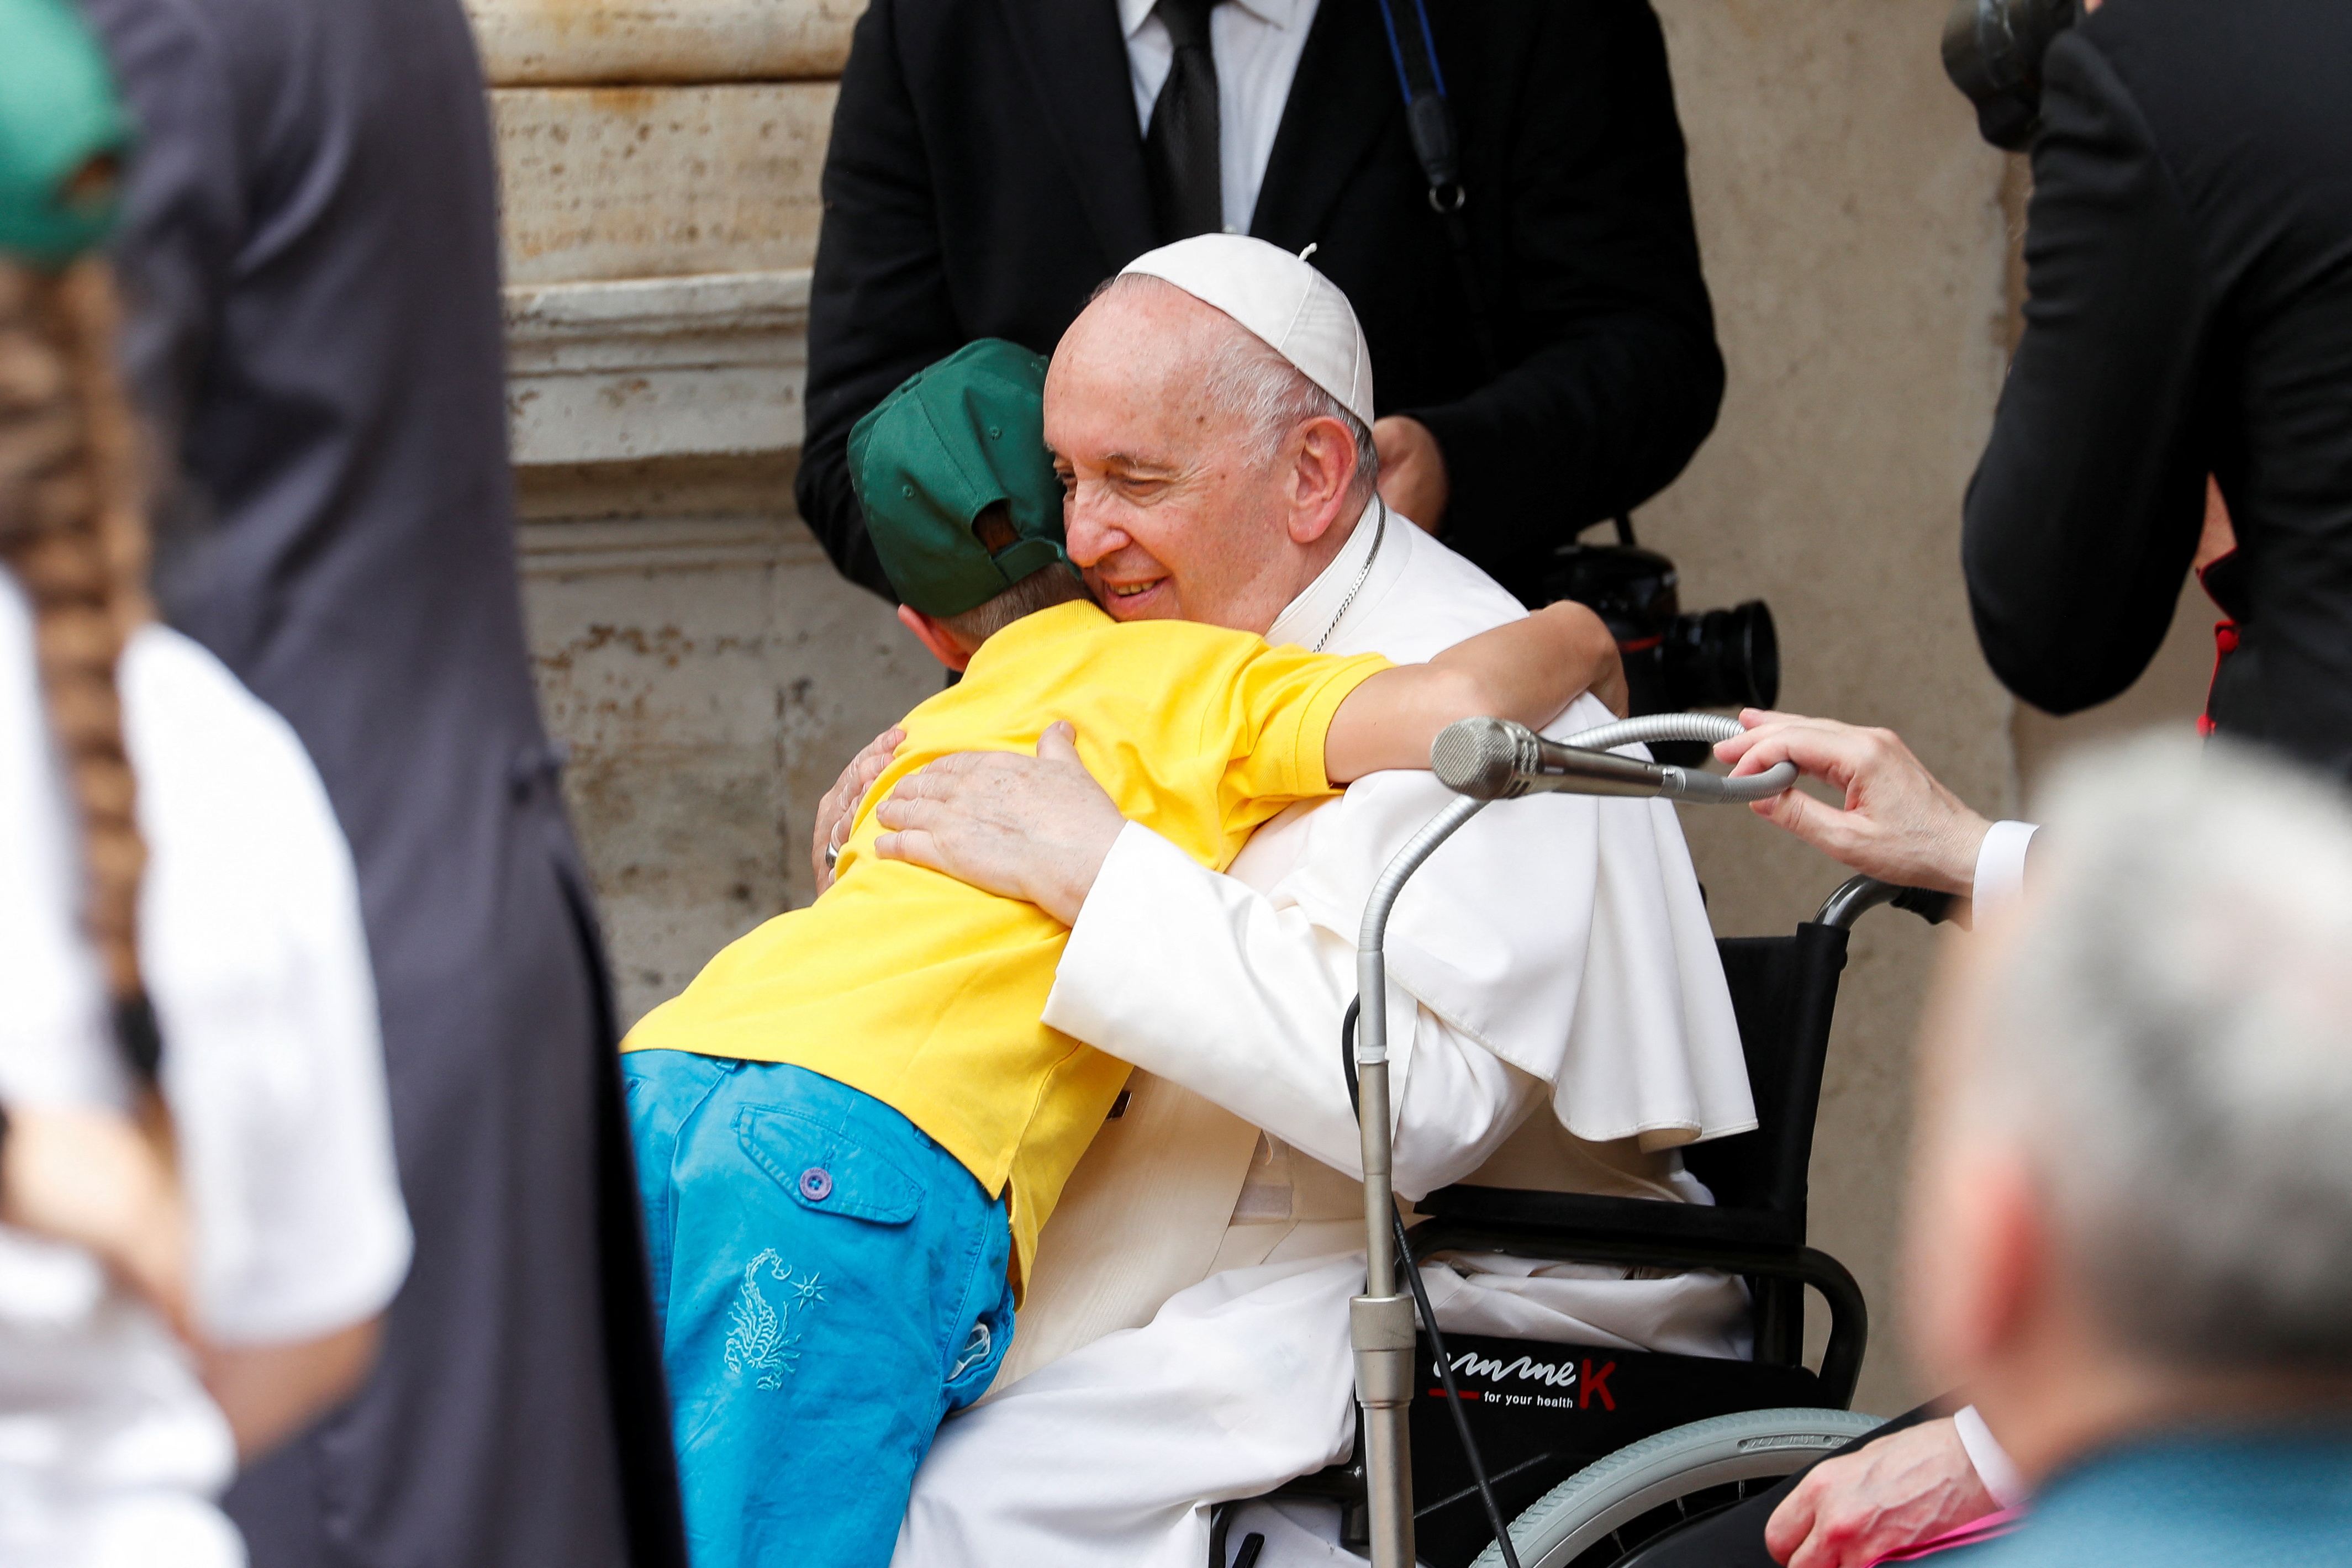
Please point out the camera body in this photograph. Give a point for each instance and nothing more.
(1674, 661)
(1993, 52)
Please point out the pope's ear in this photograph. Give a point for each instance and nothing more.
(1323, 468)
(933, 634)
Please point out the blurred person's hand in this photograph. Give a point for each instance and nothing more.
(1899, 823)
(839, 807)
(91, 1179)
(271, 1391)
(1906, 1488)
(1413, 470)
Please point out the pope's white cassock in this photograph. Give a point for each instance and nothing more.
(1558, 1019)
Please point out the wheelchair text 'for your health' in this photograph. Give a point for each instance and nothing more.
(1589, 1386)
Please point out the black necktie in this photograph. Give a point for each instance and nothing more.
(1180, 149)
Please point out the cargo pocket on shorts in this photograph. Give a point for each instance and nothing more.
(826, 1168)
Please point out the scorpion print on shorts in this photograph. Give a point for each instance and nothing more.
(764, 1342)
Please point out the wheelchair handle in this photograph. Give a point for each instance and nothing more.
(1858, 895)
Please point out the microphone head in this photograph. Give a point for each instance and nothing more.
(1482, 757)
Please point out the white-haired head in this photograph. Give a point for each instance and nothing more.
(2168, 1036)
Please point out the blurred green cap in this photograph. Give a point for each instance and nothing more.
(63, 132)
(950, 442)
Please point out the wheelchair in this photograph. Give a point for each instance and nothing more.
(1598, 1455)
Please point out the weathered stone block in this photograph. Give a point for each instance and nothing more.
(581, 43)
(614, 182)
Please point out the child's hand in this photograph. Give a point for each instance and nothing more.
(839, 808)
(90, 1179)
(1609, 680)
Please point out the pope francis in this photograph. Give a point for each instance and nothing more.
(1559, 1016)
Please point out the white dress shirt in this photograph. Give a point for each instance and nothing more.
(1256, 45)
(2000, 867)
(250, 937)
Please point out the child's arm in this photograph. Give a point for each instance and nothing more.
(1527, 671)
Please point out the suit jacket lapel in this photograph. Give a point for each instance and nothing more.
(1343, 97)
(1076, 58)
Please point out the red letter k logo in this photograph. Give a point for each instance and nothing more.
(1594, 1382)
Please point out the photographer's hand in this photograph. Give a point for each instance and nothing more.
(1898, 824)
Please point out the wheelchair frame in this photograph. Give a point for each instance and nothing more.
(1760, 1234)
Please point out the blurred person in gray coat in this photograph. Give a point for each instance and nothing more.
(310, 252)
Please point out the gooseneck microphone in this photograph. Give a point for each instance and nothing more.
(1495, 760)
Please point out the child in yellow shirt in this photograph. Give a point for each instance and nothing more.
(851, 1125)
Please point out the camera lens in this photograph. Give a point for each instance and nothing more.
(1723, 658)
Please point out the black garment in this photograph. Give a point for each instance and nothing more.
(311, 251)
(1735, 1538)
(2190, 261)
(986, 172)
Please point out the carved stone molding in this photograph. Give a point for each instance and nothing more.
(658, 367)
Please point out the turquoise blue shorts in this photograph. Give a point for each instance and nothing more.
(831, 1284)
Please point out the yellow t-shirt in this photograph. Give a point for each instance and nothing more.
(926, 993)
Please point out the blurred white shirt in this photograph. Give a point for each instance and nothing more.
(256, 964)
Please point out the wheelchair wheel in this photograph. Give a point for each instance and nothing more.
(1608, 1513)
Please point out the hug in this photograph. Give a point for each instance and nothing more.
(1095, 1085)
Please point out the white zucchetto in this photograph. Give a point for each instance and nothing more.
(1297, 311)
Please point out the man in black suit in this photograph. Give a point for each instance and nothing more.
(2189, 256)
(310, 246)
(992, 163)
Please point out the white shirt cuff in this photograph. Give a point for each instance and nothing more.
(2000, 866)
(1992, 1462)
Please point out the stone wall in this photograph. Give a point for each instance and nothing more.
(710, 673)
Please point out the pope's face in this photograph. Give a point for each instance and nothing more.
(1171, 514)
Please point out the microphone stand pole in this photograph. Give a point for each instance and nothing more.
(1380, 1320)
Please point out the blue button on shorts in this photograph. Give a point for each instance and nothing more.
(831, 1284)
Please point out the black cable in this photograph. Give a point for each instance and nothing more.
(1428, 1314)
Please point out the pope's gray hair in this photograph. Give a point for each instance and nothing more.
(2170, 1039)
(1272, 395)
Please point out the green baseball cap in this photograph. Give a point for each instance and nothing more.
(954, 440)
(60, 122)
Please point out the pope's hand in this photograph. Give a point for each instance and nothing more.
(1898, 822)
(1035, 828)
(839, 808)
(1906, 1488)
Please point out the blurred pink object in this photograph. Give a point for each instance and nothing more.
(1976, 1530)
